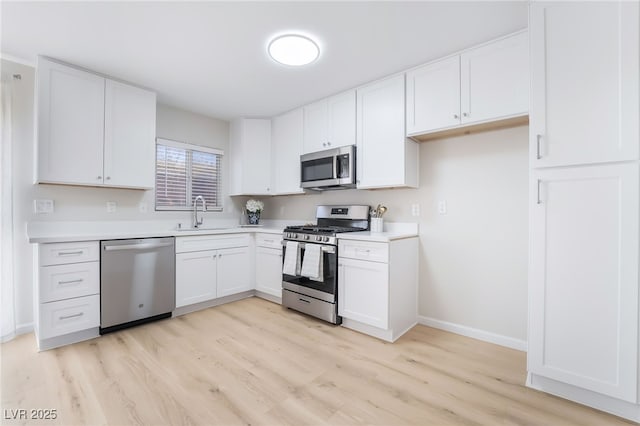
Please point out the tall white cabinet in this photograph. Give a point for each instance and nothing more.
(286, 148)
(584, 204)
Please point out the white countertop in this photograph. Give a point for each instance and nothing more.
(59, 232)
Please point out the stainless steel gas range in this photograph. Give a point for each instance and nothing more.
(310, 260)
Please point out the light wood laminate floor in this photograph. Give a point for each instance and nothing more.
(252, 362)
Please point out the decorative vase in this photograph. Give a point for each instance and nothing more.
(254, 218)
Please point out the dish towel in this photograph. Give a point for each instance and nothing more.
(291, 262)
(312, 266)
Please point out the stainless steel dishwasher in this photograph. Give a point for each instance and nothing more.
(137, 281)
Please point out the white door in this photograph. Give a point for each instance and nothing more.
(70, 125)
(341, 112)
(129, 136)
(315, 127)
(433, 96)
(269, 271)
(195, 277)
(363, 293)
(583, 277)
(381, 134)
(234, 271)
(286, 148)
(494, 80)
(584, 82)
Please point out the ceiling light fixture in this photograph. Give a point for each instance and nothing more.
(293, 49)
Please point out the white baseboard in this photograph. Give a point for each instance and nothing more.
(474, 333)
(20, 329)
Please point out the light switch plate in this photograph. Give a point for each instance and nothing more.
(111, 206)
(43, 206)
(442, 207)
(415, 210)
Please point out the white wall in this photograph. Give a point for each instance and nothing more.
(89, 203)
(473, 260)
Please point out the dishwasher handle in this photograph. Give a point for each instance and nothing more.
(141, 246)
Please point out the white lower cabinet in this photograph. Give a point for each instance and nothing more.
(68, 293)
(210, 266)
(196, 274)
(364, 293)
(269, 264)
(583, 278)
(234, 271)
(378, 286)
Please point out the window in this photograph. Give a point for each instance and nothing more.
(183, 172)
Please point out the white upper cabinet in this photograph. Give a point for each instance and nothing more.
(584, 82)
(484, 84)
(129, 136)
(385, 157)
(250, 157)
(494, 80)
(433, 96)
(583, 275)
(70, 125)
(330, 123)
(93, 130)
(286, 148)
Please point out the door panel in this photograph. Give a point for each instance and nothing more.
(234, 271)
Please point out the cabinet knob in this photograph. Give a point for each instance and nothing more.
(324, 144)
(464, 114)
(108, 177)
(328, 143)
(456, 116)
(99, 178)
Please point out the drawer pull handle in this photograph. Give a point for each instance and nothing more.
(72, 316)
(302, 300)
(70, 253)
(70, 281)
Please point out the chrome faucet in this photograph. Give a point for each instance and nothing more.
(196, 222)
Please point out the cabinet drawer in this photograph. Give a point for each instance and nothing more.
(61, 282)
(269, 240)
(68, 316)
(63, 253)
(211, 242)
(363, 250)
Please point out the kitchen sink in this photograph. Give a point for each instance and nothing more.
(205, 228)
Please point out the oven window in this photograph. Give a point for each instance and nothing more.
(319, 169)
(328, 284)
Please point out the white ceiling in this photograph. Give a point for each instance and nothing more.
(210, 57)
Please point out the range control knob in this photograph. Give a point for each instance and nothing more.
(295, 235)
(306, 237)
(325, 239)
(318, 238)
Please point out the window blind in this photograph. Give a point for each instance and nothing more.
(183, 173)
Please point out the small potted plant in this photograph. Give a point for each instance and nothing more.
(254, 208)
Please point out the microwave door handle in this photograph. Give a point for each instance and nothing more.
(335, 166)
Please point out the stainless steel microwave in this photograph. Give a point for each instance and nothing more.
(330, 169)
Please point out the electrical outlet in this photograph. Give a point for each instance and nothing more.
(442, 207)
(415, 210)
(43, 206)
(142, 207)
(111, 206)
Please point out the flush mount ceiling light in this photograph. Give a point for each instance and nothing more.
(293, 49)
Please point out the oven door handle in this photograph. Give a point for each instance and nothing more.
(325, 249)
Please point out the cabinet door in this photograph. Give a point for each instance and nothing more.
(494, 80)
(584, 278)
(381, 135)
(363, 293)
(70, 125)
(433, 96)
(269, 271)
(250, 157)
(315, 127)
(286, 148)
(584, 82)
(129, 136)
(234, 271)
(341, 111)
(195, 277)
